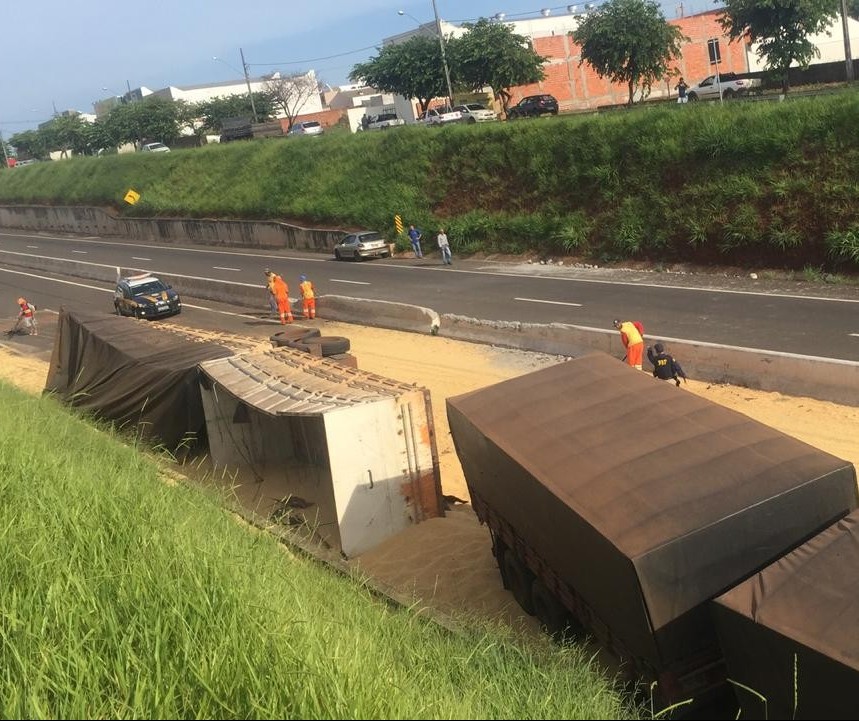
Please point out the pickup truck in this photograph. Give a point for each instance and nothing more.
(730, 85)
(440, 116)
(383, 121)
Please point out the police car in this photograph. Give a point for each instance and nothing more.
(145, 296)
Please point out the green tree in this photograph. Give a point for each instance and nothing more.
(629, 41)
(147, 120)
(492, 54)
(412, 69)
(212, 113)
(30, 144)
(781, 28)
(853, 9)
(66, 134)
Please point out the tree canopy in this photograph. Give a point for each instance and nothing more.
(781, 28)
(492, 54)
(630, 42)
(412, 69)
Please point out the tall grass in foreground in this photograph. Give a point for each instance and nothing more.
(122, 596)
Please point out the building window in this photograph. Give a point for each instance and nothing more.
(714, 51)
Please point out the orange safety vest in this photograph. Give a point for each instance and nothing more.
(280, 288)
(307, 290)
(633, 337)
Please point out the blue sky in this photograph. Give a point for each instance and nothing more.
(57, 53)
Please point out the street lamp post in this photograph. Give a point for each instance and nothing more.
(441, 46)
(443, 56)
(247, 79)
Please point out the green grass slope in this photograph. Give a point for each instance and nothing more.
(125, 597)
(742, 182)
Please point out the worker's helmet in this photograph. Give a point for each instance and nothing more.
(616, 323)
(21, 301)
(302, 277)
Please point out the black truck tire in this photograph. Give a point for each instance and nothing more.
(289, 335)
(328, 345)
(519, 580)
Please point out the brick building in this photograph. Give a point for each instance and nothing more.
(578, 87)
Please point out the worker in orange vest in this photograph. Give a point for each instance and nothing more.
(308, 296)
(281, 295)
(27, 316)
(632, 336)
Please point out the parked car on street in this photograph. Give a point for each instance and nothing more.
(476, 113)
(154, 148)
(440, 116)
(306, 127)
(145, 296)
(359, 246)
(728, 83)
(533, 106)
(382, 121)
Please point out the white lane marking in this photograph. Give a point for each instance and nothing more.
(33, 246)
(56, 280)
(326, 259)
(80, 252)
(273, 321)
(223, 267)
(136, 257)
(351, 282)
(855, 335)
(550, 302)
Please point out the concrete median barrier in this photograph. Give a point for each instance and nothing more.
(826, 379)
(381, 313)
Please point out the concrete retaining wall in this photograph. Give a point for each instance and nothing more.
(798, 375)
(233, 233)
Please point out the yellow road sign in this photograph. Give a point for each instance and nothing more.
(132, 196)
(398, 224)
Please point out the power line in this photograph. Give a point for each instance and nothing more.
(315, 60)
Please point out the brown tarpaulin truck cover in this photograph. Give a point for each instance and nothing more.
(798, 621)
(644, 498)
(123, 371)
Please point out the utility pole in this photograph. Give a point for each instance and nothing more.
(248, 81)
(443, 57)
(848, 58)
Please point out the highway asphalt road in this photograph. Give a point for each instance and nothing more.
(781, 321)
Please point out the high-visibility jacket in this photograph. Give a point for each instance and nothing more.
(307, 290)
(629, 334)
(279, 287)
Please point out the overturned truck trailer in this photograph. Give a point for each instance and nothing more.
(347, 453)
(129, 373)
(627, 504)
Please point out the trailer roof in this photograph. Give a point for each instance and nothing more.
(695, 495)
(287, 381)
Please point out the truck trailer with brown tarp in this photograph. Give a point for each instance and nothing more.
(122, 370)
(629, 504)
(790, 634)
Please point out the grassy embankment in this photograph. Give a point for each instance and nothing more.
(125, 597)
(748, 182)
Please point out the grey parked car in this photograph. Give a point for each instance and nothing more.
(359, 246)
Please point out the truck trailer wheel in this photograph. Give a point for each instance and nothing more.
(518, 579)
(555, 619)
